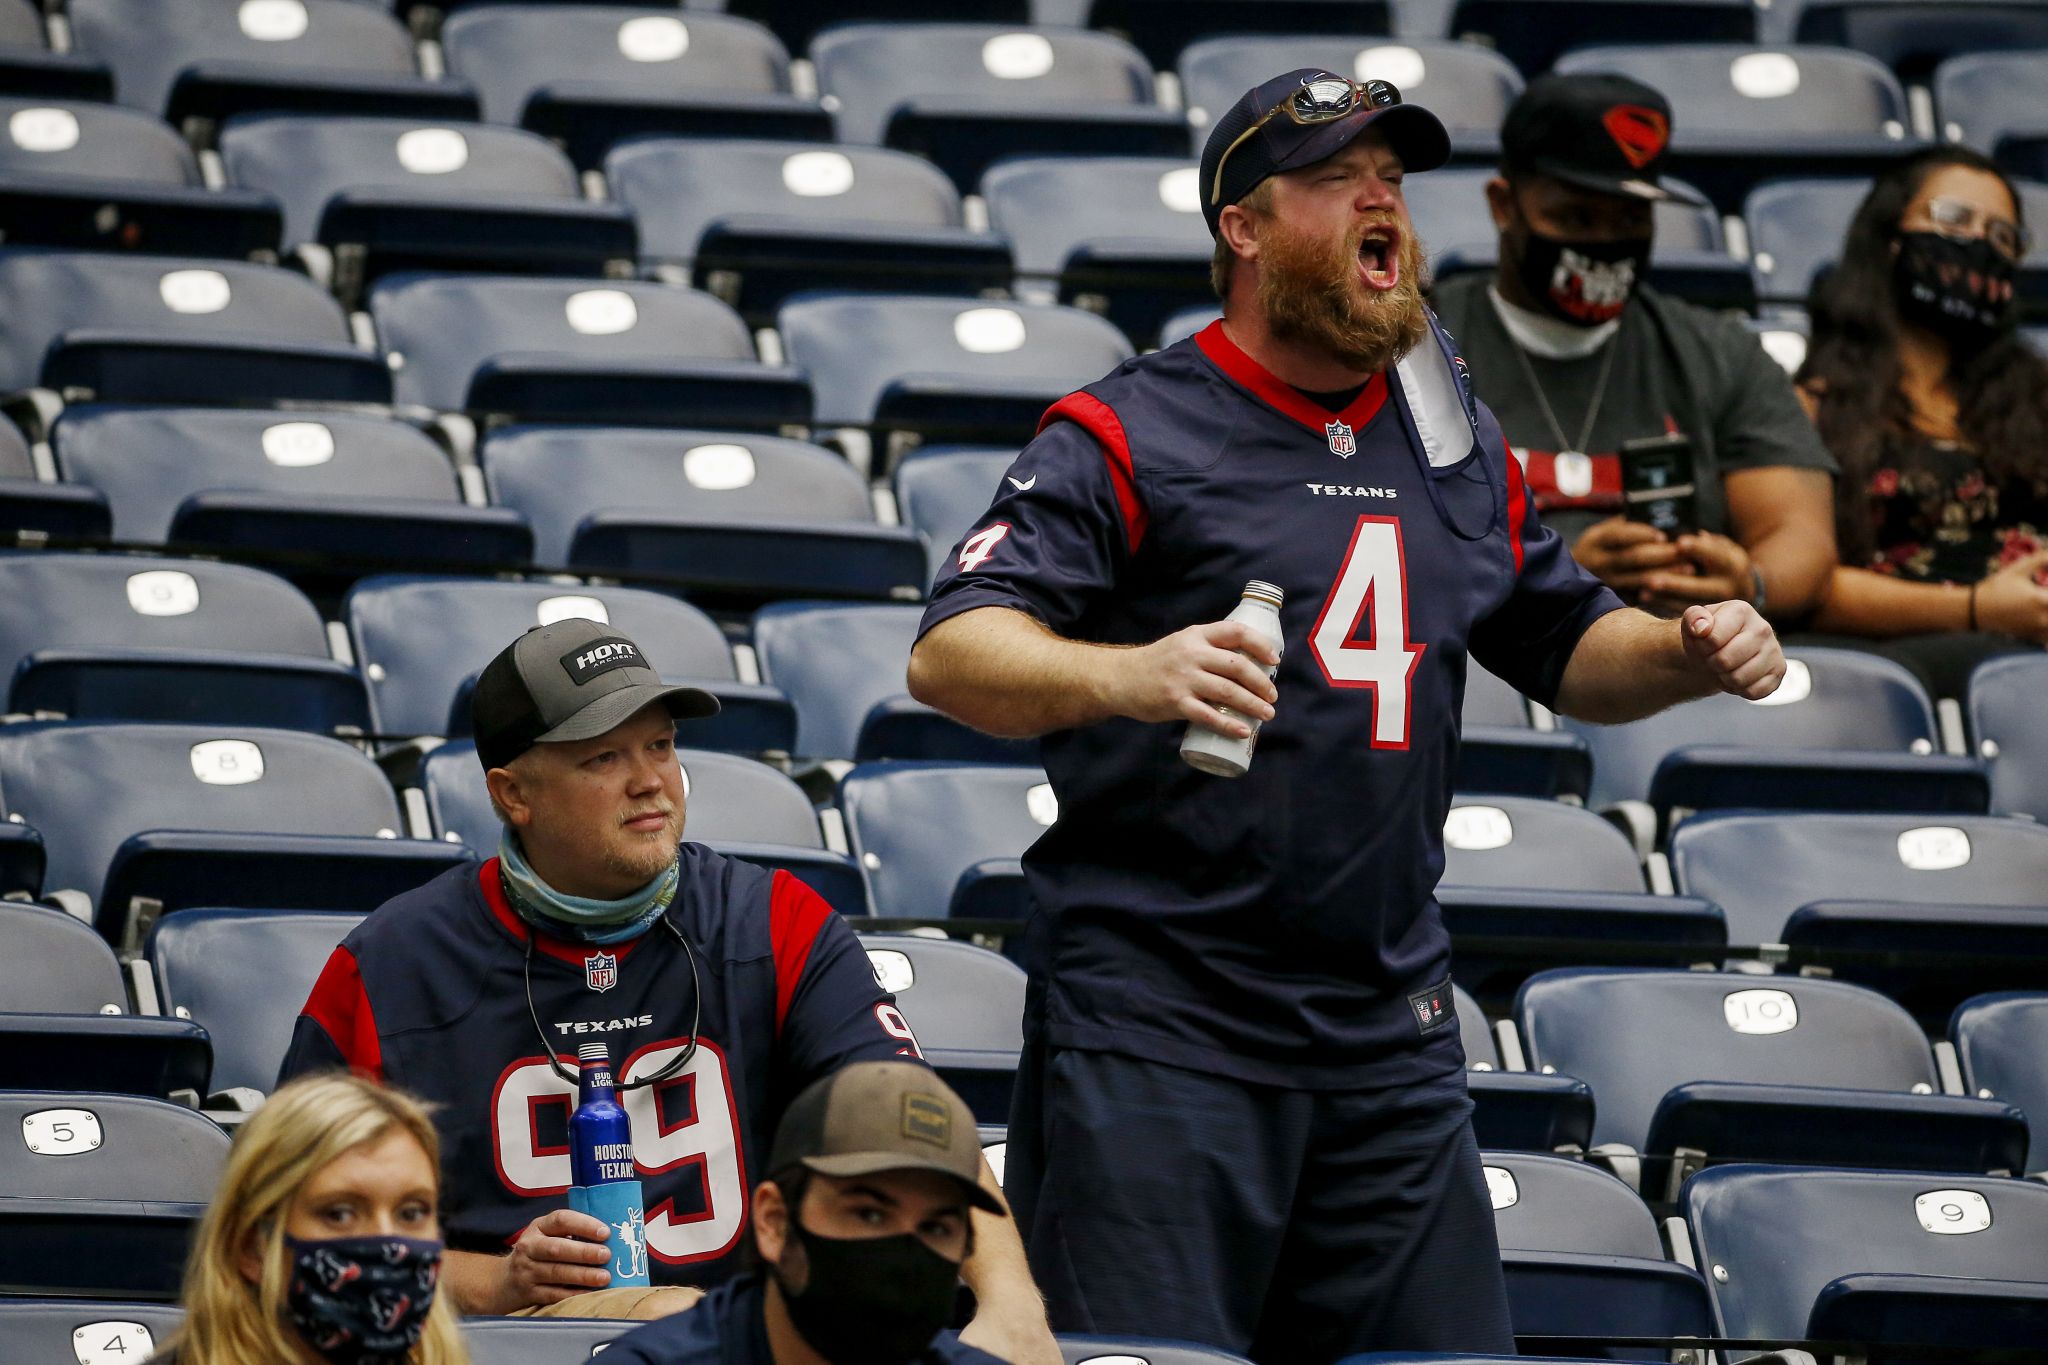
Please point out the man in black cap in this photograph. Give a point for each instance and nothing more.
(720, 989)
(860, 1228)
(1578, 356)
(1241, 1116)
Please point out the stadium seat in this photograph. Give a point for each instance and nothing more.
(967, 95)
(1186, 323)
(21, 862)
(1514, 842)
(1982, 98)
(28, 503)
(1845, 730)
(349, 486)
(93, 175)
(1166, 31)
(1693, 1068)
(754, 221)
(797, 22)
(160, 1058)
(842, 666)
(943, 367)
(1533, 34)
(735, 517)
(931, 837)
(51, 963)
(201, 59)
(1519, 1111)
(591, 76)
(243, 976)
(1741, 114)
(2001, 1042)
(942, 490)
(28, 68)
(98, 637)
(1490, 701)
(1120, 235)
(2004, 708)
(966, 1005)
(1101, 1350)
(1465, 85)
(1913, 36)
(538, 1341)
(418, 641)
(144, 329)
(574, 350)
(89, 1329)
(1886, 1256)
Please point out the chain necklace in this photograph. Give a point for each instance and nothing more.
(1566, 450)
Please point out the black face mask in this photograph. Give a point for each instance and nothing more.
(1583, 283)
(1952, 288)
(870, 1301)
(361, 1299)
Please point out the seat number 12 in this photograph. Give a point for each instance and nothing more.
(1361, 637)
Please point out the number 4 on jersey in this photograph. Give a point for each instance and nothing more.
(1361, 638)
(975, 550)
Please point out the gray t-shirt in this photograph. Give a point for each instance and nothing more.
(1675, 368)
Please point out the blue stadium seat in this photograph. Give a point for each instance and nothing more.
(1795, 232)
(1490, 701)
(1104, 1350)
(51, 963)
(1742, 114)
(1886, 1256)
(944, 367)
(392, 194)
(93, 175)
(942, 490)
(594, 75)
(21, 862)
(575, 350)
(1983, 98)
(929, 835)
(143, 329)
(243, 976)
(30, 69)
(1465, 85)
(116, 1055)
(1913, 36)
(1166, 31)
(1508, 842)
(1700, 1067)
(29, 503)
(1520, 1111)
(1120, 234)
(1533, 34)
(2001, 1042)
(1187, 322)
(419, 640)
(1846, 730)
(966, 1005)
(2004, 709)
(842, 665)
(737, 517)
(199, 59)
(538, 1341)
(90, 1329)
(97, 637)
(756, 221)
(967, 95)
(350, 486)
(797, 22)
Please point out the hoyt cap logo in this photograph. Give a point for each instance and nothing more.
(600, 657)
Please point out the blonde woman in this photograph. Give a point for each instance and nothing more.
(324, 1241)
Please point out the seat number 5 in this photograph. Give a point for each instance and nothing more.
(1361, 637)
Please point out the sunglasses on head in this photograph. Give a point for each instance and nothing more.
(1318, 101)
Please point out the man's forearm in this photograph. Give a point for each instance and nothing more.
(1003, 672)
(1629, 664)
(1795, 568)
(476, 1281)
(1009, 1319)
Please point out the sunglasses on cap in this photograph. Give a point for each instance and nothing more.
(1323, 101)
(1955, 219)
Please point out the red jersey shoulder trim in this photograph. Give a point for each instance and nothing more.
(1099, 420)
(341, 1007)
(1518, 505)
(1276, 393)
(796, 914)
(490, 881)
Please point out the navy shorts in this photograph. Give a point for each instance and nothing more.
(1291, 1226)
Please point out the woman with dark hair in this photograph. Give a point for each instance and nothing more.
(1937, 412)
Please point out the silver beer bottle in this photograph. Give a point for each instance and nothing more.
(1220, 755)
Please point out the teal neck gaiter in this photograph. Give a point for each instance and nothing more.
(578, 917)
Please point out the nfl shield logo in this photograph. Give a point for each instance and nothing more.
(601, 971)
(1341, 441)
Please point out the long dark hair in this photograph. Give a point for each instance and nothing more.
(1852, 363)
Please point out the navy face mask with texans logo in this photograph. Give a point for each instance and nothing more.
(362, 1300)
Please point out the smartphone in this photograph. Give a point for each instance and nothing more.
(1657, 484)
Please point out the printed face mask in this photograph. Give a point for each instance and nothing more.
(871, 1301)
(358, 1300)
(1584, 283)
(1958, 288)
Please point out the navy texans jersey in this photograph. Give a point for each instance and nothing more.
(1278, 928)
(426, 995)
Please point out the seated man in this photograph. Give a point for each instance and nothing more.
(721, 988)
(1577, 356)
(860, 1229)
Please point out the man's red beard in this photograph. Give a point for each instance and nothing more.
(1310, 292)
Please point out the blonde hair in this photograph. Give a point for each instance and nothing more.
(1223, 264)
(305, 1125)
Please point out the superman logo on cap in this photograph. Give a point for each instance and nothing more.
(1640, 133)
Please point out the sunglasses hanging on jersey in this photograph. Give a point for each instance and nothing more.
(1323, 101)
(682, 1058)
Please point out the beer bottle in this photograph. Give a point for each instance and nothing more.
(1220, 755)
(606, 1184)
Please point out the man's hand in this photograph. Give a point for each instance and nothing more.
(1733, 644)
(2013, 600)
(547, 1266)
(1020, 1337)
(1191, 672)
(1714, 569)
(1619, 553)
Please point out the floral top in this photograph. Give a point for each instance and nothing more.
(1936, 518)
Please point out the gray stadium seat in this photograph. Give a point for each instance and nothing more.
(942, 490)
(1108, 1350)
(1166, 30)
(51, 963)
(1509, 842)
(538, 1341)
(930, 836)
(90, 1330)
(966, 1006)
(2001, 1042)
(2004, 712)
(28, 67)
(1912, 36)
(1533, 34)
(1981, 97)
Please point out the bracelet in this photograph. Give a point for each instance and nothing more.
(1973, 606)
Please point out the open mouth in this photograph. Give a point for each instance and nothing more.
(1379, 257)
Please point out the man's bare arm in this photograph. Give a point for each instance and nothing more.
(1009, 1316)
(1630, 664)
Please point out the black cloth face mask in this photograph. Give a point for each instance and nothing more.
(870, 1301)
(1584, 283)
(1951, 286)
(357, 1300)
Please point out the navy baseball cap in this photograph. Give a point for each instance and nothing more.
(1602, 133)
(1283, 144)
(573, 679)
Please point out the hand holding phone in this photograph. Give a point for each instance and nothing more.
(1658, 485)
